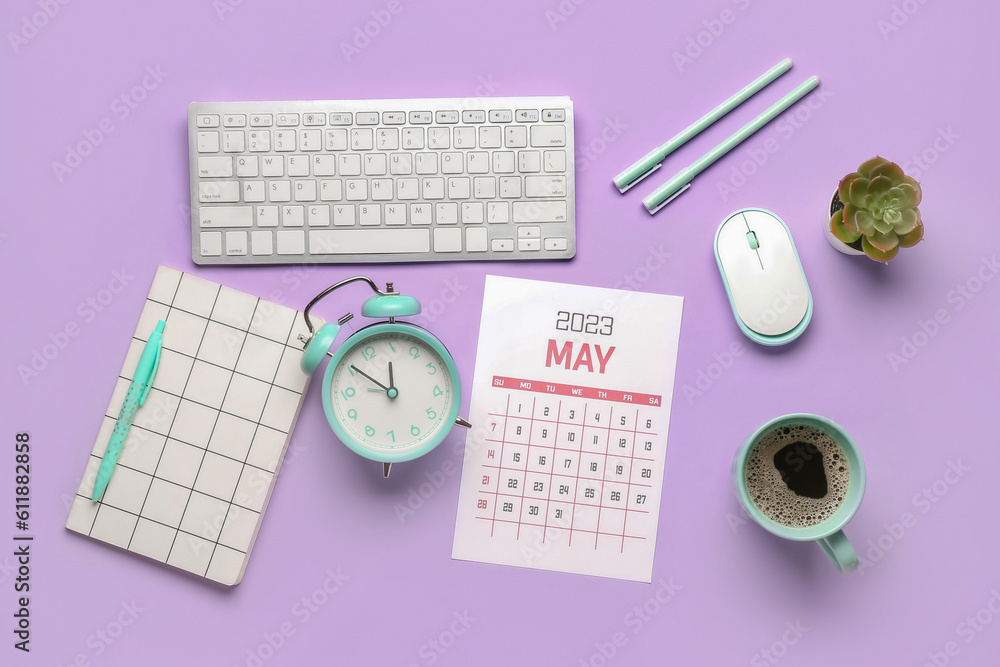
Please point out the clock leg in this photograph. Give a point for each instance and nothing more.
(461, 422)
(385, 469)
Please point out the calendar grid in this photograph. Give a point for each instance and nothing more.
(503, 437)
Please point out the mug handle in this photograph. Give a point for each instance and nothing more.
(840, 551)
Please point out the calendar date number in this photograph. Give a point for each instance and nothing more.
(585, 323)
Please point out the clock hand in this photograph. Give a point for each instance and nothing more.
(391, 391)
(361, 372)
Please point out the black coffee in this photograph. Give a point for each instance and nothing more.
(797, 475)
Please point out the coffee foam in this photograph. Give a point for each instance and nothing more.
(769, 492)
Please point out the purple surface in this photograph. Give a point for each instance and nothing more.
(903, 79)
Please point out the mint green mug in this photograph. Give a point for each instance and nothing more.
(828, 533)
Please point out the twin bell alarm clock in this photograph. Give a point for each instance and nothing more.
(391, 390)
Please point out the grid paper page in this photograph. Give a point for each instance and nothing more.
(570, 408)
(200, 460)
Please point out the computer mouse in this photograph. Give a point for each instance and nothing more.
(763, 276)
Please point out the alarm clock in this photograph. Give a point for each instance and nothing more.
(391, 390)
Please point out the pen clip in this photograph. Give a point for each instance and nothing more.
(669, 199)
(152, 374)
(635, 181)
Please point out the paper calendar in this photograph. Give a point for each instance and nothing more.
(570, 410)
(200, 460)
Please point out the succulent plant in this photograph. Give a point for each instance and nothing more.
(880, 213)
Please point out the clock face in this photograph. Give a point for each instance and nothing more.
(391, 396)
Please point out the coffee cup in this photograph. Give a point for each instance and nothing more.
(801, 477)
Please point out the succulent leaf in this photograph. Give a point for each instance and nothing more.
(909, 218)
(840, 230)
(868, 166)
(909, 196)
(844, 189)
(858, 191)
(890, 170)
(912, 238)
(916, 186)
(864, 221)
(878, 187)
(882, 226)
(875, 253)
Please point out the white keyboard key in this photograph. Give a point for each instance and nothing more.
(288, 119)
(474, 116)
(438, 137)
(319, 215)
(554, 161)
(544, 186)
(310, 140)
(236, 243)
(369, 241)
(554, 116)
(446, 213)
(261, 120)
(529, 232)
(219, 191)
(401, 164)
(261, 242)
(510, 187)
(540, 211)
(526, 115)
(207, 120)
(548, 135)
(280, 191)
(556, 243)
(381, 189)
(234, 120)
(297, 165)
(211, 244)
(433, 188)
(305, 190)
(274, 165)
(503, 162)
(357, 189)
(472, 213)
(447, 240)
(446, 117)
(336, 139)
(427, 163)
(225, 216)
(246, 166)
(529, 244)
(475, 239)
(375, 164)
(413, 137)
(341, 118)
(489, 137)
(529, 161)
(313, 119)
(501, 116)
(349, 165)
(260, 141)
(420, 214)
(502, 245)
(477, 162)
(344, 215)
(324, 165)
(284, 141)
(331, 190)
(452, 163)
(459, 187)
(395, 214)
(293, 216)
(208, 142)
(498, 212)
(387, 139)
(366, 118)
(408, 189)
(515, 136)
(370, 215)
(464, 137)
(233, 141)
(254, 191)
(291, 241)
(393, 117)
(267, 216)
(215, 167)
(361, 139)
(484, 187)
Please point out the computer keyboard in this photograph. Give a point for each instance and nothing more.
(382, 180)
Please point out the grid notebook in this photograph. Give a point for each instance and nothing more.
(199, 463)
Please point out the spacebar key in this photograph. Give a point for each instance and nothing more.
(368, 241)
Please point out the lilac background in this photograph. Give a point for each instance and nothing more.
(926, 88)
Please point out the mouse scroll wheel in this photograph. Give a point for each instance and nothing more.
(752, 240)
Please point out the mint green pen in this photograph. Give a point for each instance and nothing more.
(145, 371)
(664, 194)
(651, 161)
